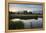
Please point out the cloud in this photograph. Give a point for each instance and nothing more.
(21, 7)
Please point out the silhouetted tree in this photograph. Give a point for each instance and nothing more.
(30, 12)
(25, 12)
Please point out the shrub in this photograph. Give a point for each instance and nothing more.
(12, 25)
(16, 25)
(19, 25)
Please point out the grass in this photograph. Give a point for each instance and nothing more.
(22, 16)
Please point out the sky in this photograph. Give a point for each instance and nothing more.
(28, 7)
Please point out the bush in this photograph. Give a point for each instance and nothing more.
(16, 25)
(19, 25)
(12, 25)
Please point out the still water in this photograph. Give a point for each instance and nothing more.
(29, 22)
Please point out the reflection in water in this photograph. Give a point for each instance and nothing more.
(30, 22)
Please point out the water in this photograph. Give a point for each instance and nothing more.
(29, 22)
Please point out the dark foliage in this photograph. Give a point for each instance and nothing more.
(16, 25)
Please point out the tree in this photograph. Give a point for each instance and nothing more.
(19, 25)
(30, 12)
(16, 25)
(25, 12)
(12, 25)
